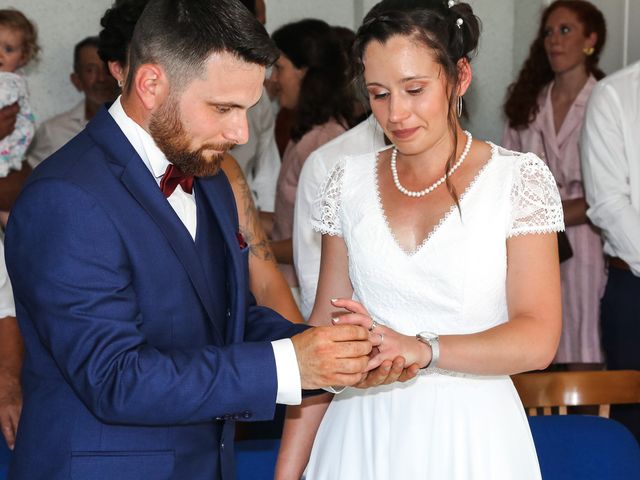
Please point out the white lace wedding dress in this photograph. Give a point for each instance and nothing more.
(441, 425)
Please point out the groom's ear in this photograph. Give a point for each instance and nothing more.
(151, 85)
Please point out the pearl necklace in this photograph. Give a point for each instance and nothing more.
(422, 193)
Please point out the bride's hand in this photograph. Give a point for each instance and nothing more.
(389, 343)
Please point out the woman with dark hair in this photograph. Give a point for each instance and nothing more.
(117, 24)
(545, 109)
(266, 282)
(444, 247)
(312, 80)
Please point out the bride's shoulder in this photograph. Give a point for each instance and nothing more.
(517, 161)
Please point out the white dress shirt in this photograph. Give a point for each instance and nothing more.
(307, 243)
(259, 157)
(610, 152)
(55, 132)
(184, 204)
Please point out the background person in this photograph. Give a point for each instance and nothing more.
(610, 147)
(18, 39)
(367, 136)
(91, 77)
(311, 75)
(18, 46)
(545, 109)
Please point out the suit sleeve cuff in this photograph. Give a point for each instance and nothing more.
(289, 386)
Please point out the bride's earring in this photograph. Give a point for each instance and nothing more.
(459, 107)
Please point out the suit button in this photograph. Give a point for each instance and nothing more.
(228, 313)
(246, 414)
(222, 446)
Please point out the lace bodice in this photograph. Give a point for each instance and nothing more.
(455, 281)
(536, 206)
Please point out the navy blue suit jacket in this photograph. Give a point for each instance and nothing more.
(131, 370)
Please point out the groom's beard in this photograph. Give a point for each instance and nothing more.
(168, 131)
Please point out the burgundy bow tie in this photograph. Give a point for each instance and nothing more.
(173, 177)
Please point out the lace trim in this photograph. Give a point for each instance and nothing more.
(536, 204)
(536, 231)
(442, 220)
(325, 218)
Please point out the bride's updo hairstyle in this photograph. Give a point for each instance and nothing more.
(449, 29)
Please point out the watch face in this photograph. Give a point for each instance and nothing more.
(428, 336)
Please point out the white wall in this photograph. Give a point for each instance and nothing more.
(334, 12)
(493, 68)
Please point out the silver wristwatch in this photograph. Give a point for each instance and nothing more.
(433, 340)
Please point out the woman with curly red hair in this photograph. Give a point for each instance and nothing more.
(545, 110)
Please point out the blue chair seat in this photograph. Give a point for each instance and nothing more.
(584, 447)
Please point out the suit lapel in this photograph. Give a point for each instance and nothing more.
(142, 186)
(210, 189)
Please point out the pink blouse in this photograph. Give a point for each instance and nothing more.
(583, 276)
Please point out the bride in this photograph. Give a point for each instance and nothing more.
(444, 246)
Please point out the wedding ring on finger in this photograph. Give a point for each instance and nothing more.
(373, 326)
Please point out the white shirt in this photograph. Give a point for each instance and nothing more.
(55, 132)
(7, 306)
(259, 157)
(184, 204)
(307, 243)
(610, 152)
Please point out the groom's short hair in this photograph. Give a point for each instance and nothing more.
(180, 35)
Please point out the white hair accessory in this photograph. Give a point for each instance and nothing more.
(459, 22)
(451, 3)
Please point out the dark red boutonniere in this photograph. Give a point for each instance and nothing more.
(241, 242)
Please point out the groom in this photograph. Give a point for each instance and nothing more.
(143, 344)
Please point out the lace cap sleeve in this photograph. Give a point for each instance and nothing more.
(535, 201)
(325, 212)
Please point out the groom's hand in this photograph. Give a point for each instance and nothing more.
(335, 355)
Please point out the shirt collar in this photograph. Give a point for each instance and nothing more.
(582, 97)
(141, 141)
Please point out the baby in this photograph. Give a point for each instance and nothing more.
(18, 46)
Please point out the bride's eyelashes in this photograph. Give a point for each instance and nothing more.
(381, 95)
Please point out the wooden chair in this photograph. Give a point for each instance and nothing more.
(549, 390)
